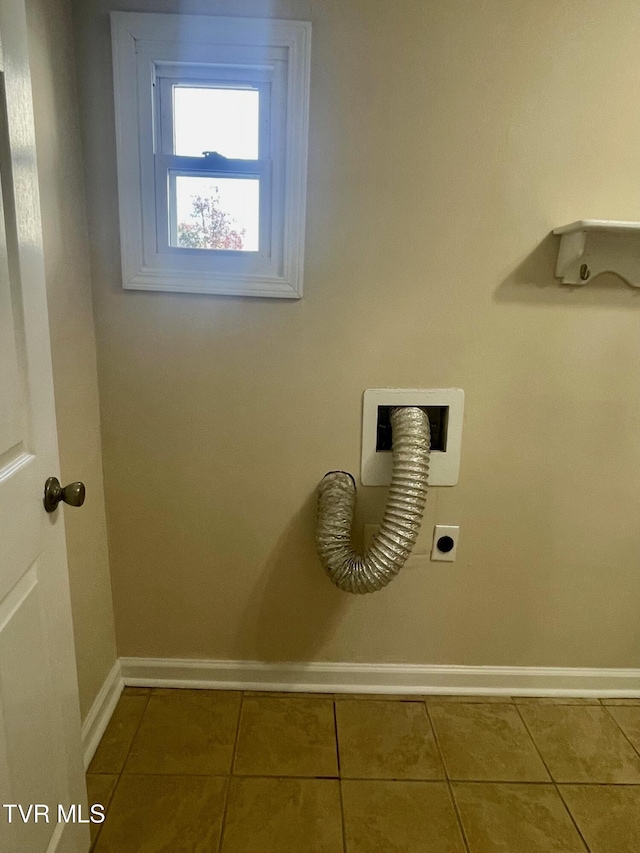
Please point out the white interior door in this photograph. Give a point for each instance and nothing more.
(40, 748)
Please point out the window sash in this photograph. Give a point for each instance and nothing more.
(168, 167)
(214, 77)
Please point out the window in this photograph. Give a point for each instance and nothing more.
(211, 118)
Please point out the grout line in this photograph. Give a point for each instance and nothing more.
(412, 779)
(94, 843)
(573, 820)
(627, 738)
(335, 729)
(456, 810)
(437, 742)
(440, 699)
(170, 775)
(535, 745)
(121, 771)
(224, 812)
(106, 809)
(521, 782)
(230, 776)
(555, 784)
(101, 773)
(135, 734)
(237, 736)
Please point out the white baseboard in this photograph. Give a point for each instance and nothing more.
(98, 717)
(380, 678)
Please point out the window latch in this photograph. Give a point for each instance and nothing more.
(214, 157)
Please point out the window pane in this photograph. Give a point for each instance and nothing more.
(217, 213)
(222, 120)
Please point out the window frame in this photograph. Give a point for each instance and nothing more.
(160, 51)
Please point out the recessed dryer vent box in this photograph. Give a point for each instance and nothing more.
(445, 407)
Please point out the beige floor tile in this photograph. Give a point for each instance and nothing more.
(100, 787)
(186, 731)
(607, 816)
(386, 740)
(176, 814)
(512, 818)
(628, 718)
(620, 701)
(468, 700)
(581, 744)
(286, 737)
(400, 817)
(486, 743)
(554, 700)
(116, 741)
(283, 816)
(136, 691)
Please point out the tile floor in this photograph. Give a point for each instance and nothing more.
(204, 771)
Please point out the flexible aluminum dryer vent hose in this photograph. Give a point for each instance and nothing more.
(398, 532)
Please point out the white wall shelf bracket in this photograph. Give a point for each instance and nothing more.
(590, 247)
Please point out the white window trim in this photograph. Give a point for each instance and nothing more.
(140, 42)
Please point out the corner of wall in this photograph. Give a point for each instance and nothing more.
(67, 269)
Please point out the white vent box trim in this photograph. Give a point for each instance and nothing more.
(444, 467)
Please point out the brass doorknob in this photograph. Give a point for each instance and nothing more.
(73, 494)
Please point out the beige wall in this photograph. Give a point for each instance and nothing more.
(72, 334)
(447, 139)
